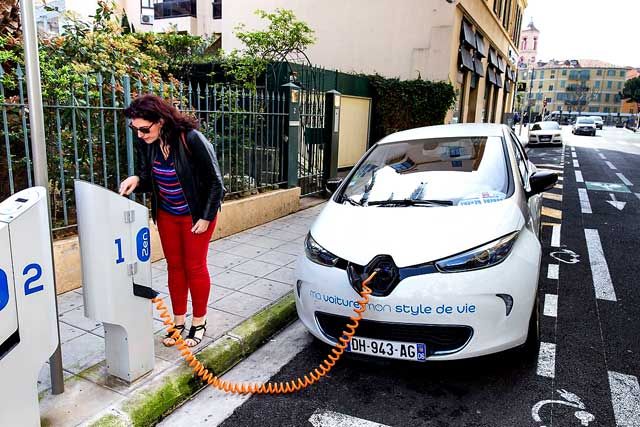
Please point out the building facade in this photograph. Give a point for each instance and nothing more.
(630, 106)
(196, 17)
(582, 86)
(471, 43)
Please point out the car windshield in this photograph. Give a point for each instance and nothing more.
(431, 172)
(546, 126)
(585, 121)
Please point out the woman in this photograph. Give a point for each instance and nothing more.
(178, 166)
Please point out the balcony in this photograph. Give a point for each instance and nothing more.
(174, 9)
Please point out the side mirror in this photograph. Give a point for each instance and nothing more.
(541, 182)
(333, 184)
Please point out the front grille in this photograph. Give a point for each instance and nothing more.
(439, 339)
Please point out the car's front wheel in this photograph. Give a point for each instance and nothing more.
(531, 346)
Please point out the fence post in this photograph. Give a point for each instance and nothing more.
(126, 88)
(292, 93)
(331, 133)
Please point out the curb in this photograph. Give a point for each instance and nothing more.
(155, 401)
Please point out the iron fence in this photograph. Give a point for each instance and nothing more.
(87, 137)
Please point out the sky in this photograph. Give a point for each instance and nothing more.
(587, 29)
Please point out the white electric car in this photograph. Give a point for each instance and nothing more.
(449, 217)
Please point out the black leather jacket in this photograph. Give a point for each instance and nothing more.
(197, 169)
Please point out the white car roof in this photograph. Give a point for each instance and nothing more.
(447, 131)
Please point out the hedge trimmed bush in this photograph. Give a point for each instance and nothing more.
(405, 104)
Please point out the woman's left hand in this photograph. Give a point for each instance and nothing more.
(201, 226)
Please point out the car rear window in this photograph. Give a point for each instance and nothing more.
(460, 171)
(585, 121)
(546, 126)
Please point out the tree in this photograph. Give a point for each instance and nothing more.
(631, 90)
(284, 34)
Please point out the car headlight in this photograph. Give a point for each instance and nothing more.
(484, 256)
(318, 254)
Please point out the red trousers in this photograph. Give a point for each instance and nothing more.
(186, 255)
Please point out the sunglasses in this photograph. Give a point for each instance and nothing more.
(142, 129)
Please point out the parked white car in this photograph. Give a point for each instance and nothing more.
(449, 216)
(545, 133)
(598, 121)
(584, 126)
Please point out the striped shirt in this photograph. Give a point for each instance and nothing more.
(171, 196)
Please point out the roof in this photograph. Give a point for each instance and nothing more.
(446, 131)
(576, 63)
(532, 27)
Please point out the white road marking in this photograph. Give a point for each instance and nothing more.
(602, 156)
(597, 150)
(576, 164)
(547, 360)
(551, 305)
(599, 268)
(574, 155)
(611, 166)
(625, 396)
(555, 236)
(615, 203)
(579, 176)
(624, 179)
(553, 271)
(585, 206)
(638, 195)
(323, 418)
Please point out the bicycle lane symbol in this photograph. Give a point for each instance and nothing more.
(570, 400)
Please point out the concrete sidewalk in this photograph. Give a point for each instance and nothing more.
(252, 279)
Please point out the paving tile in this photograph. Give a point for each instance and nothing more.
(80, 401)
(69, 301)
(241, 237)
(268, 289)
(232, 279)
(77, 319)
(284, 235)
(224, 260)
(223, 244)
(247, 251)
(291, 248)
(82, 352)
(219, 322)
(68, 332)
(255, 268)
(99, 375)
(266, 242)
(283, 275)
(44, 377)
(277, 258)
(241, 304)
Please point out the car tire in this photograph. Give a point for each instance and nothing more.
(530, 348)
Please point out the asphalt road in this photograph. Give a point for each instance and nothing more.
(587, 369)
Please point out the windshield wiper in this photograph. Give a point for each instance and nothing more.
(411, 202)
(351, 201)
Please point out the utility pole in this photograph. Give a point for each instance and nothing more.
(36, 121)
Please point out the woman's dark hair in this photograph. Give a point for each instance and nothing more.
(153, 108)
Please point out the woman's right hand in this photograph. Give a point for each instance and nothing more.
(128, 185)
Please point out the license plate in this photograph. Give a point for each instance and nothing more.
(390, 349)
(545, 138)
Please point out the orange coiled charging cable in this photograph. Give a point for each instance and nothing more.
(269, 388)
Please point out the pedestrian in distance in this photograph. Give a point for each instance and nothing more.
(178, 166)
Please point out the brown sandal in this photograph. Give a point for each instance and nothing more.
(196, 334)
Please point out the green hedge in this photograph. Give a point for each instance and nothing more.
(405, 104)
